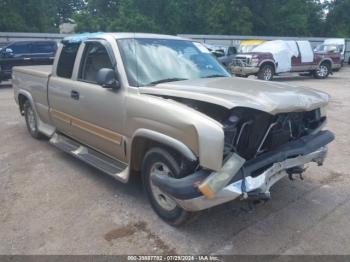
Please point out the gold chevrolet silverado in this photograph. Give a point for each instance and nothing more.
(161, 107)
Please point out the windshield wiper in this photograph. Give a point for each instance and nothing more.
(166, 80)
(212, 76)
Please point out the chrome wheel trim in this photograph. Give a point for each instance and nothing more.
(322, 71)
(161, 198)
(267, 74)
(31, 119)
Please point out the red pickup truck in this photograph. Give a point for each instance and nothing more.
(276, 57)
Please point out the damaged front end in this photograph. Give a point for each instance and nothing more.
(260, 149)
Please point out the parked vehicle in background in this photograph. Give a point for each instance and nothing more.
(225, 54)
(25, 53)
(329, 45)
(163, 108)
(330, 48)
(230, 52)
(276, 57)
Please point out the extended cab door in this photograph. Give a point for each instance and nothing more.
(96, 113)
(60, 86)
(303, 56)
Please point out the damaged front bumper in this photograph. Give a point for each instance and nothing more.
(249, 181)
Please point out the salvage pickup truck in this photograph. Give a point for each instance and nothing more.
(276, 57)
(162, 108)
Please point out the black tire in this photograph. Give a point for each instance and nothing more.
(323, 71)
(266, 72)
(31, 120)
(173, 214)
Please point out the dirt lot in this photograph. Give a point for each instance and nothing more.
(50, 203)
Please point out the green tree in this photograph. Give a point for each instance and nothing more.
(36, 15)
(338, 18)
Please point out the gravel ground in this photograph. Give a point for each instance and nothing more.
(50, 203)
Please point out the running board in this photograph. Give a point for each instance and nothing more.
(112, 167)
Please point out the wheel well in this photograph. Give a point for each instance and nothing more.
(268, 63)
(141, 145)
(326, 62)
(21, 100)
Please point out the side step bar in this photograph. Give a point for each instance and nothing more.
(112, 167)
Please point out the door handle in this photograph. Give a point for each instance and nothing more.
(74, 95)
(27, 58)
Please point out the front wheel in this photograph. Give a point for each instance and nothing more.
(323, 71)
(160, 161)
(266, 73)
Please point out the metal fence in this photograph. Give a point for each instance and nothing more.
(9, 36)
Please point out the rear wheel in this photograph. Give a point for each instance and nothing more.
(323, 71)
(31, 120)
(266, 73)
(160, 161)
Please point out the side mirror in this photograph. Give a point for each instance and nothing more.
(107, 78)
(9, 52)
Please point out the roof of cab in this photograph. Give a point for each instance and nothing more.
(85, 36)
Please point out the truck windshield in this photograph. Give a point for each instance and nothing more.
(152, 61)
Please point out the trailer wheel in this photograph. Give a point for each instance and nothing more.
(266, 72)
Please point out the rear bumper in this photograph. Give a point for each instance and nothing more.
(274, 164)
(239, 70)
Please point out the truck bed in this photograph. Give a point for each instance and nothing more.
(39, 70)
(34, 81)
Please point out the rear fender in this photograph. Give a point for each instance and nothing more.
(43, 128)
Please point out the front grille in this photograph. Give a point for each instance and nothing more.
(259, 132)
(292, 126)
(241, 61)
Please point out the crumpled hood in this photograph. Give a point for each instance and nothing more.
(230, 92)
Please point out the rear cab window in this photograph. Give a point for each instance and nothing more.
(66, 60)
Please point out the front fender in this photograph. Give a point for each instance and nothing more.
(165, 140)
(198, 132)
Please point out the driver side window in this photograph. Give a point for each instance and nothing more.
(95, 57)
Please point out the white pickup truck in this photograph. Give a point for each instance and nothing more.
(164, 108)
